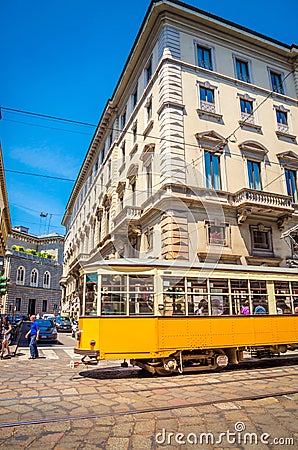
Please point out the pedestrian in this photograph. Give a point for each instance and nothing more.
(5, 337)
(33, 333)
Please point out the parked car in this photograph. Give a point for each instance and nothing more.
(21, 317)
(47, 330)
(49, 316)
(63, 324)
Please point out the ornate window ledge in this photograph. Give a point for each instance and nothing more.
(283, 135)
(247, 124)
(203, 113)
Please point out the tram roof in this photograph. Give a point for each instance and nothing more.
(169, 265)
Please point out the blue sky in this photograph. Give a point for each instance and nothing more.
(64, 58)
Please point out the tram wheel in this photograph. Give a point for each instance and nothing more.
(163, 372)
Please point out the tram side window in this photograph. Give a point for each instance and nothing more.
(174, 296)
(113, 295)
(141, 294)
(259, 297)
(219, 297)
(294, 286)
(240, 297)
(197, 297)
(283, 297)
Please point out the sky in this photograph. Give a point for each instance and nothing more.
(63, 58)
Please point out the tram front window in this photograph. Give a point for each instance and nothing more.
(127, 295)
(113, 294)
(91, 300)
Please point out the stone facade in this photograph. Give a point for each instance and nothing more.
(34, 267)
(195, 157)
(5, 223)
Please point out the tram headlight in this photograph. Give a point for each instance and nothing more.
(92, 344)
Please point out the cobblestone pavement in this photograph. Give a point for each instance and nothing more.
(45, 404)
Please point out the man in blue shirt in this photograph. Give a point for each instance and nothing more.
(34, 336)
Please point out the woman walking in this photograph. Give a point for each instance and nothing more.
(5, 336)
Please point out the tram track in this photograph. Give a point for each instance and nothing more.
(151, 389)
(147, 410)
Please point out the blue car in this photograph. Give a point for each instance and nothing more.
(47, 330)
(63, 324)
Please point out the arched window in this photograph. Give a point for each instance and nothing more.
(20, 275)
(34, 278)
(46, 279)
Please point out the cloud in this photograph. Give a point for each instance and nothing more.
(47, 160)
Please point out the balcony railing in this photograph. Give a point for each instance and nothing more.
(248, 118)
(261, 199)
(207, 106)
(282, 128)
(128, 213)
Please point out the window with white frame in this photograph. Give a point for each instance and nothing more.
(247, 110)
(291, 181)
(207, 99)
(20, 275)
(276, 80)
(254, 175)
(282, 119)
(212, 170)
(34, 278)
(254, 154)
(204, 57)
(46, 279)
(242, 70)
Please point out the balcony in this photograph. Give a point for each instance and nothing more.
(78, 260)
(250, 202)
(128, 215)
(248, 121)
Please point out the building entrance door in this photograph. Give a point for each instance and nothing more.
(31, 306)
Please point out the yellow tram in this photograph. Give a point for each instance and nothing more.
(169, 318)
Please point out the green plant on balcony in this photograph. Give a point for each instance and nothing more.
(30, 251)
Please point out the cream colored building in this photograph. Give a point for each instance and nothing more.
(191, 174)
(4, 209)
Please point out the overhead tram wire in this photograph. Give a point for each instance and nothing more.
(56, 118)
(39, 175)
(45, 126)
